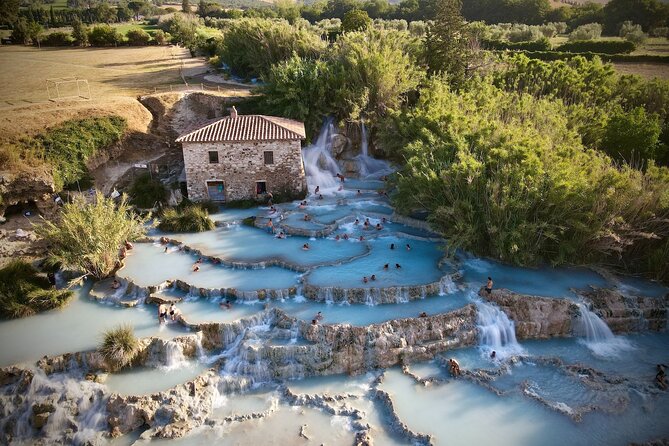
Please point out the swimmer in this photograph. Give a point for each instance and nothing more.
(365, 280)
(488, 285)
(115, 285)
(337, 237)
(384, 220)
(226, 305)
(398, 266)
(385, 266)
(173, 311)
(281, 235)
(422, 314)
(359, 193)
(165, 249)
(317, 191)
(493, 355)
(373, 277)
(163, 240)
(320, 197)
(356, 222)
(162, 313)
(305, 247)
(345, 236)
(314, 322)
(319, 316)
(392, 246)
(361, 239)
(379, 227)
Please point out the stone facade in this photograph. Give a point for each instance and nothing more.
(242, 164)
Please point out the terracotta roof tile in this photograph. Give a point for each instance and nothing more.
(247, 128)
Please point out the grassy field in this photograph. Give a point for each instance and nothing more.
(124, 71)
(123, 28)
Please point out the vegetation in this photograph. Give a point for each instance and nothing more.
(24, 292)
(68, 146)
(88, 236)
(119, 346)
(187, 219)
(147, 192)
(597, 46)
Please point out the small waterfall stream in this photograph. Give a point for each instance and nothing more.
(497, 331)
(598, 337)
(369, 167)
(320, 166)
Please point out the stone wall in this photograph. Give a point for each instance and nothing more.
(241, 165)
(624, 314)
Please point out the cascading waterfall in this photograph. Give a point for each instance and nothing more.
(497, 331)
(320, 166)
(598, 337)
(370, 167)
(447, 286)
(174, 355)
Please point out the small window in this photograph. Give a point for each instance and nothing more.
(269, 157)
(213, 157)
(261, 187)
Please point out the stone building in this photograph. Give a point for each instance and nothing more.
(244, 156)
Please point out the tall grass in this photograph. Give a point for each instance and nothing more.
(189, 219)
(119, 346)
(24, 292)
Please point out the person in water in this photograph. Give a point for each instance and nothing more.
(270, 226)
(128, 245)
(488, 285)
(392, 246)
(422, 314)
(319, 316)
(373, 277)
(493, 355)
(166, 248)
(314, 322)
(162, 313)
(305, 247)
(115, 285)
(365, 280)
(408, 247)
(385, 266)
(317, 191)
(174, 312)
(379, 227)
(356, 222)
(345, 236)
(320, 196)
(454, 367)
(337, 237)
(226, 305)
(362, 239)
(196, 268)
(359, 193)
(660, 377)
(398, 266)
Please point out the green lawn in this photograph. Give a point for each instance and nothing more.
(123, 28)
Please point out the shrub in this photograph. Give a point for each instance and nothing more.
(356, 20)
(636, 37)
(188, 219)
(104, 35)
(597, 46)
(591, 31)
(58, 38)
(660, 31)
(138, 37)
(89, 235)
(161, 37)
(542, 44)
(631, 136)
(119, 346)
(147, 192)
(24, 292)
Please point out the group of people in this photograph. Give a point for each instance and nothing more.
(164, 311)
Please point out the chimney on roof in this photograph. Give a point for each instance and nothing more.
(233, 112)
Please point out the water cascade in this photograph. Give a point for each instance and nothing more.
(369, 167)
(598, 336)
(497, 331)
(320, 166)
(174, 355)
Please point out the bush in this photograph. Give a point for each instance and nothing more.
(356, 20)
(251, 46)
(89, 235)
(632, 33)
(631, 136)
(24, 292)
(58, 38)
(591, 31)
(119, 347)
(188, 219)
(161, 37)
(68, 146)
(147, 192)
(598, 46)
(138, 37)
(104, 35)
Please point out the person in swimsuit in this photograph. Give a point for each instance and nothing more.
(162, 313)
(305, 247)
(488, 285)
(115, 285)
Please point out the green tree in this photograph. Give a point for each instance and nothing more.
(88, 236)
(647, 13)
(9, 12)
(447, 41)
(355, 20)
(138, 37)
(79, 32)
(632, 136)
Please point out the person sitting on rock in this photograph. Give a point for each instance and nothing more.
(175, 313)
(314, 322)
(128, 245)
(454, 367)
(123, 253)
(422, 314)
(115, 285)
(660, 377)
(488, 285)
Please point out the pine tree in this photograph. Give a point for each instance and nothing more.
(447, 41)
(52, 17)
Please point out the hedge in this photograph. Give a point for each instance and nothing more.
(535, 45)
(560, 55)
(596, 46)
